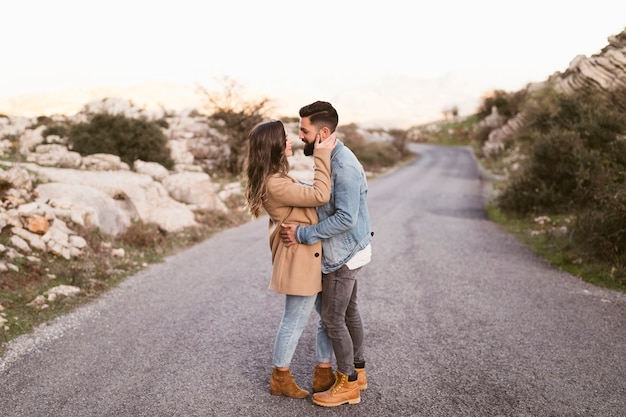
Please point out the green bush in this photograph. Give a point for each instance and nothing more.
(56, 129)
(507, 104)
(130, 139)
(480, 135)
(4, 187)
(559, 176)
(374, 156)
(601, 231)
(576, 165)
(44, 120)
(351, 137)
(576, 151)
(162, 123)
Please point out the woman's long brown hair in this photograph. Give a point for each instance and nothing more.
(265, 157)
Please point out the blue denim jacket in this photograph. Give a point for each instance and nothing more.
(344, 222)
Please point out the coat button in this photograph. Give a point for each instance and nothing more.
(317, 254)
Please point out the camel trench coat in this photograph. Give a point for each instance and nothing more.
(297, 270)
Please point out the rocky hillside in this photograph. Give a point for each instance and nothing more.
(603, 71)
(47, 189)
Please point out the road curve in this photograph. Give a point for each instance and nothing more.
(461, 320)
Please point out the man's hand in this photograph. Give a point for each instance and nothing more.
(288, 234)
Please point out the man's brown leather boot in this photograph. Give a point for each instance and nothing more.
(323, 379)
(342, 392)
(362, 378)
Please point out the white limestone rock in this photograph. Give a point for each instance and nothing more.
(34, 240)
(20, 244)
(103, 162)
(153, 169)
(139, 195)
(55, 155)
(65, 290)
(85, 205)
(195, 188)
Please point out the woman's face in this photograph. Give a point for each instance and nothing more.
(288, 142)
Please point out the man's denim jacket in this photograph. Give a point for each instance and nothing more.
(344, 222)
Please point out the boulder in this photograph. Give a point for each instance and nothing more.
(195, 188)
(153, 169)
(55, 155)
(139, 195)
(86, 206)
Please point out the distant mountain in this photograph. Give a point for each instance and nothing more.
(170, 96)
(385, 101)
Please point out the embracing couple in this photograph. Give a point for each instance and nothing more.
(320, 237)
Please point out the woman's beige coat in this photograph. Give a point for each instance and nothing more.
(297, 269)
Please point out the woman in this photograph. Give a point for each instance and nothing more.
(296, 270)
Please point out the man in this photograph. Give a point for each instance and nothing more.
(345, 231)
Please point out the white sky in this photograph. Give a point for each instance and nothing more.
(285, 48)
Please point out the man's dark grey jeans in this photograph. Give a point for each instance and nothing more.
(341, 318)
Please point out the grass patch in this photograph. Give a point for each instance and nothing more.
(550, 238)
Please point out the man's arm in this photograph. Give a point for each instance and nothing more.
(347, 190)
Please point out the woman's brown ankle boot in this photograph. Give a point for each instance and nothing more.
(282, 383)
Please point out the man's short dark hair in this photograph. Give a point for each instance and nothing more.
(321, 113)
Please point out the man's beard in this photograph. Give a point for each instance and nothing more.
(308, 148)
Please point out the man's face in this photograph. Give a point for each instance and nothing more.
(308, 134)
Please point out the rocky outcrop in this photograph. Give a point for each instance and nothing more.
(47, 188)
(37, 217)
(138, 196)
(604, 71)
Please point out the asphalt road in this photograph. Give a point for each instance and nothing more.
(461, 320)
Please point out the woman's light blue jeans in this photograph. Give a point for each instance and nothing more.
(295, 317)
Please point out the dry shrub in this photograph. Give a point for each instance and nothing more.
(143, 235)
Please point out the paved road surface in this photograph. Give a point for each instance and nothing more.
(461, 320)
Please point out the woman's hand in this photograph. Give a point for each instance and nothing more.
(329, 143)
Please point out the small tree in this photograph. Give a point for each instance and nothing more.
(234, 117)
